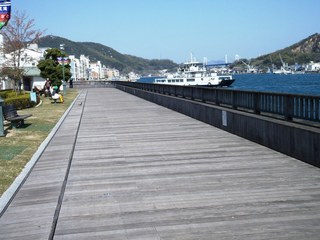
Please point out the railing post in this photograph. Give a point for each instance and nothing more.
(288, 107)
(1, 118)
(192, 98)
(233, 100)
(317, 115)
(256, 103)
(216, 93)
(203, 95)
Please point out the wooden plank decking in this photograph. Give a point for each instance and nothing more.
(122, 168)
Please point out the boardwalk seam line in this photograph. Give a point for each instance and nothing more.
(64, 184)
(10, 193)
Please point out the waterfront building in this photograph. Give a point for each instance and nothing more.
(112, 73)
(313, 67)
(132, 77)
(84, 67)
(74, 68)
(96, 71)
(81, 68)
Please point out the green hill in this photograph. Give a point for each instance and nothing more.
(108, 56)
(301, 53)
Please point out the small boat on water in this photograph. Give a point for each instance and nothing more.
(196, 73)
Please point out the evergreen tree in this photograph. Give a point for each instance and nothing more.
(52, 69)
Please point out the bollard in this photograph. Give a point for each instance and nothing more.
(1, 118)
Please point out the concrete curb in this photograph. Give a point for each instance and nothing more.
(9, 194)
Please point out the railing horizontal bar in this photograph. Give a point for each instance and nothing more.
(289, 106)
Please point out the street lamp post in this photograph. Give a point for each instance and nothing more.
(1, 118)
(64, 84)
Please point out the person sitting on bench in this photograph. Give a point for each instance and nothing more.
(55, 95)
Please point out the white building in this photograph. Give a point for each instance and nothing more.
(84, 68)
(313, 67)
(32, 79)
(81, 69)
(132, 77)
(112, 73)
(75, 68)
(96, 71)
(29, 58)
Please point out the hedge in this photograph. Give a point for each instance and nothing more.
(20, 101)
(7, 93)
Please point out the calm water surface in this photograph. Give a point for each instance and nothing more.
(308, 84)
(297, 83)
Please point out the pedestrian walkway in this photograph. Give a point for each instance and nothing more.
(120, 167)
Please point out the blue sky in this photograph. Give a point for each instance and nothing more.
(172, 29)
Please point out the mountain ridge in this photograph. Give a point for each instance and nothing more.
(302, 52)
(108, 56)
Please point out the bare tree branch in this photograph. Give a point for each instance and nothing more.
(16, 36)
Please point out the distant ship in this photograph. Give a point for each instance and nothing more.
(196, 73)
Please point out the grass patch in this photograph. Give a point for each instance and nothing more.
(19, 145)
(9, 152)
(39, 127)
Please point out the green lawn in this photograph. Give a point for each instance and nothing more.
(19, 145)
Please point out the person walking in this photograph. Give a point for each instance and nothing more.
(47, 86)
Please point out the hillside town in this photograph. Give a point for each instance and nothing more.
(82, 68)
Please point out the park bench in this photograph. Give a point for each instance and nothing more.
(10, 114)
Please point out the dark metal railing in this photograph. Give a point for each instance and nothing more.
(288, 106)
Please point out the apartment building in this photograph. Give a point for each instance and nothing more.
(81, 68)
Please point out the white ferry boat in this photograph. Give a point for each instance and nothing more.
(196, 73)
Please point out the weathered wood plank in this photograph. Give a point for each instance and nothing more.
(157, 174)
(140, 171)
(30, 214)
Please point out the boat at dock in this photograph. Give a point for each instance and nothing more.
(196, 73)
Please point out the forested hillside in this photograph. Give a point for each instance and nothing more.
(108, 56)
(301, 53)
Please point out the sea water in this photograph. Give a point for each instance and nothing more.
(307, 84)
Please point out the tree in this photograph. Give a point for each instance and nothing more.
(16, 36)
(50, 67)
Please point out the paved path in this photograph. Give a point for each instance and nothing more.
(123, 168)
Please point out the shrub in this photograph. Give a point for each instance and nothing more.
(20, 101)
(6, 93)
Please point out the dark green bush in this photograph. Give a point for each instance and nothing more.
(20, 101)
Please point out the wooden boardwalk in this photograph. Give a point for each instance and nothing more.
(123, 168)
